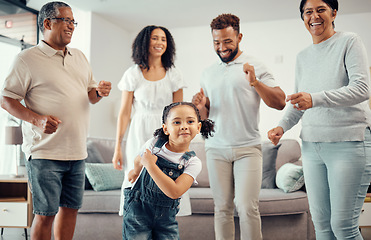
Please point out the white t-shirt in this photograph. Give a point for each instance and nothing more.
(192, 167)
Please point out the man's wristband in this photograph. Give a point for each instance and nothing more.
(98, 96)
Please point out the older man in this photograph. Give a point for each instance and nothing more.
(57, 84)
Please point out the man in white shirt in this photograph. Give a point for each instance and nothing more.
(230, 96)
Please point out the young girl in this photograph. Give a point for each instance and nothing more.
(163, 173)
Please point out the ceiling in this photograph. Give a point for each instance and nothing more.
(133, 15)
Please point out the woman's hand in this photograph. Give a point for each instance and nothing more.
(275, 135)
(301, 100)
(117, 159)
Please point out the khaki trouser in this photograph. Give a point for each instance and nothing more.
(235, 175)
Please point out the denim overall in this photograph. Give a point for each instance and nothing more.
(148, 212)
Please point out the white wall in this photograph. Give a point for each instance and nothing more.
(82, 33)
(110, 57)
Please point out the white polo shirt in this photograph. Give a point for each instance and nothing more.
(234, 104)
(53, 84)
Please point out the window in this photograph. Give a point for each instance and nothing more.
(18, 22)
(18, 30)
(8, 53)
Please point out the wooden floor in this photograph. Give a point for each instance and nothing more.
(18, 234)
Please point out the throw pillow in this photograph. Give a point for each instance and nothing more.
(290, 177)
(103, 176)
(94, 156)
(269, 152)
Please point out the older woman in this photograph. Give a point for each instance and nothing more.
(331, 99)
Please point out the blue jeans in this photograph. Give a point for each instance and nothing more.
(55, 184)
(337, 176)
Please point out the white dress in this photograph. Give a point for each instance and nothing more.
(150, 98)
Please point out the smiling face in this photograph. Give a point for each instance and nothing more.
(181, 125)
(318, 18)
(57, 33)
(158, 42)
(226, 43)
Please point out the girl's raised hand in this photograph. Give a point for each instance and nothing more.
(148, 158)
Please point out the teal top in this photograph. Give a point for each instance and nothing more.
(336, 74)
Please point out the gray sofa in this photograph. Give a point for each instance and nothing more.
(284, 215)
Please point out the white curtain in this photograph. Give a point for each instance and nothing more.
(7, 152)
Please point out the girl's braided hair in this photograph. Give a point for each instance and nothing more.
(207, 125)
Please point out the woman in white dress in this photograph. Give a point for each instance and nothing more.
(147, 87)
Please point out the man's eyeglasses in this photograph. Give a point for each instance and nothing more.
(66, 21)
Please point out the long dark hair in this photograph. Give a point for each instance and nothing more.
(140, 48)
(207, 125)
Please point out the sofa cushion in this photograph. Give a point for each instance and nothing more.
(269, 152)
(289, 151)
(274, 202)
(101, 202)
(290, 177)
(106, 147)
(103, 176)
(198, 146)
(201, 200)
(94, 156)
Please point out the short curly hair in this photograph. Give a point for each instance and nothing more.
(226, 20)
